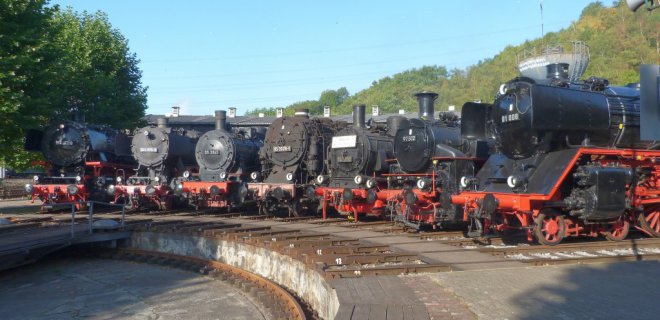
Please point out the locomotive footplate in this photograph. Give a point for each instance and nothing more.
(589, 198)
(355, 201)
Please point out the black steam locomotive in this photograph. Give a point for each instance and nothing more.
(433, 158)
(570, 159)
(357, 157)
(83, 159)
(292, 157)
(162, 153)
(225, 157)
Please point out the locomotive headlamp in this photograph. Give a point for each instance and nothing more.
(157, 179)
(515, 181)
(214, 190)
(320, 179)
(146, 133)
(119, 179)
(78, 178)
(72, 189)
(289, 176)
(371, 183)
(422, 183)
(29, 188)
(111, 190)
(503, 88)
(358, 179)
(186, 174)
(255, 176)
(223, 175)
(467, 182)
(61, 125)
(35, 178)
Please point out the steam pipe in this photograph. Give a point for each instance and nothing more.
(161, 122)
(221, 120)
(425, 101)
(358, 115)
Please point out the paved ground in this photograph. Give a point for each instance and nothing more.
(109, 289)
(626, 290)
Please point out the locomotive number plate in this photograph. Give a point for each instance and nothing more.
(282, 149)
(64, 142)
(149, 149)
(344, 142)
(510, 117)
(409, 138)
(211, 152)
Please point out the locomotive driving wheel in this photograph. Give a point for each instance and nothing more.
(618, 230)
(549, 227)
(650, 222)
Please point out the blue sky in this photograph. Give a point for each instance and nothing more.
(208, 55)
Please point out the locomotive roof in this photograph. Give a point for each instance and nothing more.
(254, 121)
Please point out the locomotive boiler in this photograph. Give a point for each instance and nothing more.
(570, 161)
(225, 157)
(291, 158)
(431, 159)
(83, 159)
(357, 157)
(162, 153)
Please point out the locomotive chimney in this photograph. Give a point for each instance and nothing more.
(557, 71)
(221, 120)
(425, 101)
(358, 115)
(302, 113)
(161, 122)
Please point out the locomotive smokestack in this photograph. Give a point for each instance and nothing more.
(358, 115)
(302, 113)
(425, 101)
(161, 122)
(557, 71)
(221, 120)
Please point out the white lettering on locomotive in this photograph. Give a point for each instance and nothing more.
(281, 148)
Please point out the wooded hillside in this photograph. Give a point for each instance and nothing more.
(620, 41)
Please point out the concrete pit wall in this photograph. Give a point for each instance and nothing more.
(281, 269)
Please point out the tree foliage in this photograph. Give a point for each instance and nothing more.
(55, 62)
(620, 41)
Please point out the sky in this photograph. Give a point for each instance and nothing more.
(210, 55)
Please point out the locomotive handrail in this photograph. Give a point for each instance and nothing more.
(91, 214)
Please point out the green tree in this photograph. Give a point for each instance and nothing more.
(55, 62)
(26, 72)
(100, 77)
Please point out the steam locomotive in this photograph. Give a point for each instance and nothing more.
(225, 158)
(83, 160)
(570, 160)
(162, 153)
(291, 158)
(357, 157)
(431, 158)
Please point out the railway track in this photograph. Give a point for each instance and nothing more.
(349, 257)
